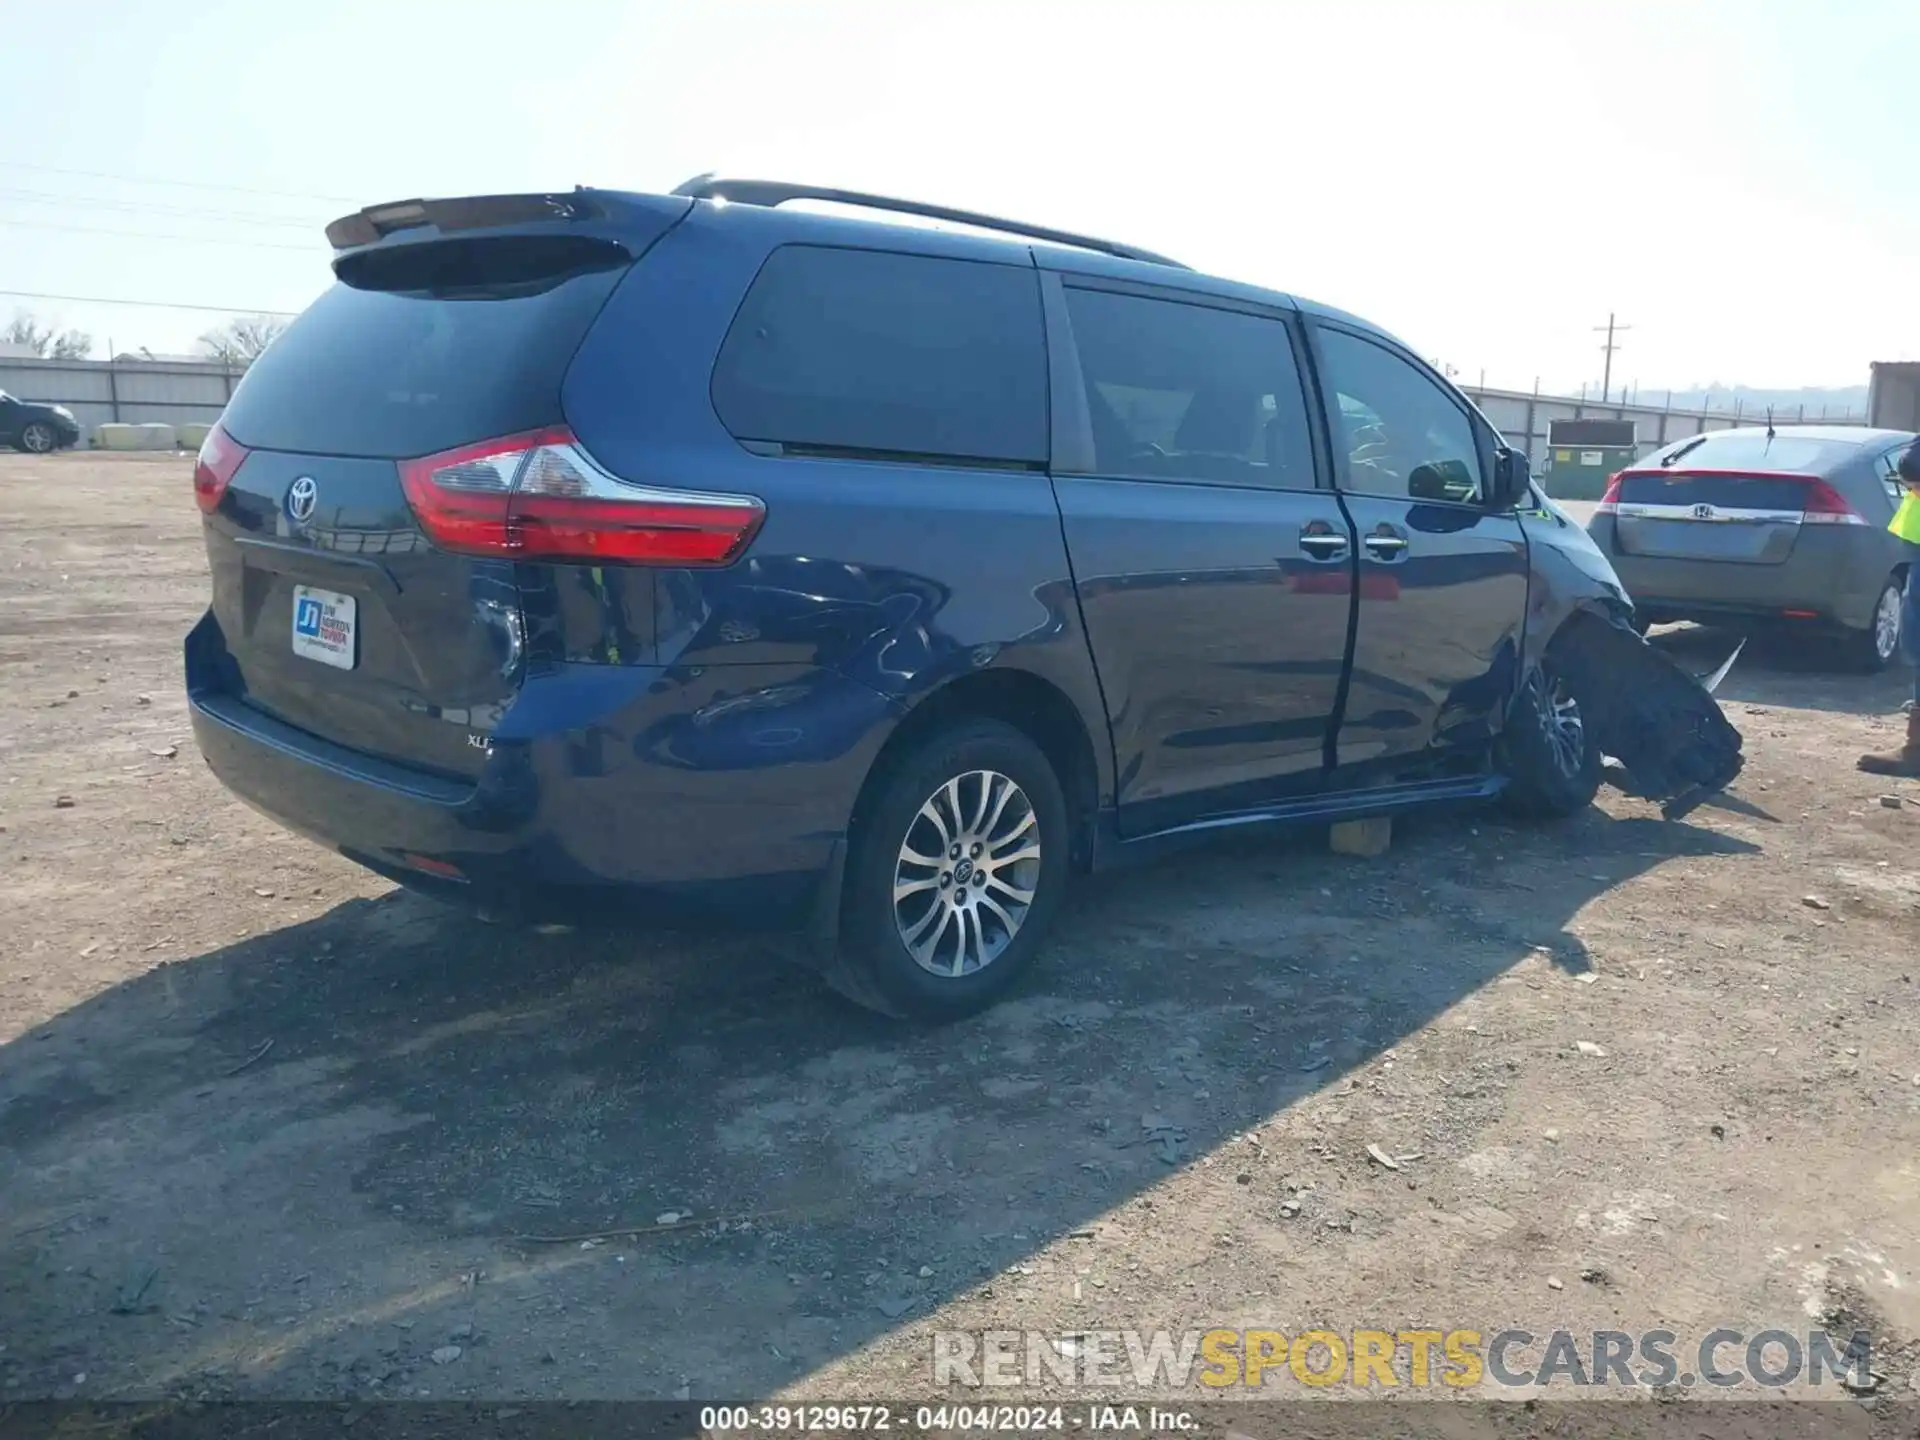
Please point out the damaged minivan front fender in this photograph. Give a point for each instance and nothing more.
(1666, 735)
(1569, 575)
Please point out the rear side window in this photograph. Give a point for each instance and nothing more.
(428, 349)
(864, 352)
(1889, 468)
(1187, 392)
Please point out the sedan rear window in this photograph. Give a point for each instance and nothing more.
(1752, 451)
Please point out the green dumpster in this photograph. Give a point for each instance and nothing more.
(1582, 454)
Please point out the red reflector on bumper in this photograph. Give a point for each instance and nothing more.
(426, 865)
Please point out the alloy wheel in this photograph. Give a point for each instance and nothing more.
(967, 873)
(1886, 624)
(1566, 731)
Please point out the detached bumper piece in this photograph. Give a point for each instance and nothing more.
(1666, 734)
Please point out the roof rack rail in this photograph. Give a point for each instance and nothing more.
(778, 192)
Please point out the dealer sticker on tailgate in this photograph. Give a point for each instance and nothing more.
(323, 625)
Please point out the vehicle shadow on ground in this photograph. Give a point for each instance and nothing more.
(301, 1164)
(1776, 669)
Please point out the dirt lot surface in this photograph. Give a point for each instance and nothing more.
(270, 1128)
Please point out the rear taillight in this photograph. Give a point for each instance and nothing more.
(1827, 506)
(220, 456)
(540, 496)
(1610, 500)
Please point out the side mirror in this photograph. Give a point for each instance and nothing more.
(1512, 476)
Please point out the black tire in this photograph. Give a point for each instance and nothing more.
(38, 439)
(1871, 650)
(1547, 780)
(873, 965)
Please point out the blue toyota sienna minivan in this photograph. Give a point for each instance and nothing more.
(697, 554)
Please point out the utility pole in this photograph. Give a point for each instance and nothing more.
(1606, 381)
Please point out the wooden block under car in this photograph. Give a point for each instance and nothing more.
(1366, 838)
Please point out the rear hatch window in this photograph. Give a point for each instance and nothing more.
(1752, 450)
(426, 347)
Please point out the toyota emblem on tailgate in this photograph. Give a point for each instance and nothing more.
(302, 495)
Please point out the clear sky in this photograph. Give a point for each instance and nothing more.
(1738, 179)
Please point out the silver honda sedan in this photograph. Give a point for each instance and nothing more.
(1781, 527)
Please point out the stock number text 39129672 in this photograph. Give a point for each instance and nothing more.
(778, 1419)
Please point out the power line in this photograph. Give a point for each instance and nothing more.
(237, 217)
(143, 304)
(157, 235)
(183, 184)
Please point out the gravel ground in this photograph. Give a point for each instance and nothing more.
(269, 1127)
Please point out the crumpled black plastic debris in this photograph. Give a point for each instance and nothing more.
(1667, 733)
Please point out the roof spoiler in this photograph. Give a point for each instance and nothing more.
(472, 212)
(779, 192)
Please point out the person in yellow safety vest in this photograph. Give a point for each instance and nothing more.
(1906, 524)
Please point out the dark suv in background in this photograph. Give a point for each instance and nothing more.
(36, 428)
(602, 550)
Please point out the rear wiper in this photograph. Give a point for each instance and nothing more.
(1693, 444)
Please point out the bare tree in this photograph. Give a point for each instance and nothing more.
(241, 341)
(24, 330)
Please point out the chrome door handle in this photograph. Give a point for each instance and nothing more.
(1386, 547)
(1324, 547)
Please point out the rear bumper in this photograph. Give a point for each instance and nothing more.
(1833, 577)
(628, 790)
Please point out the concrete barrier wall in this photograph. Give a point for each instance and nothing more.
(135, 437)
